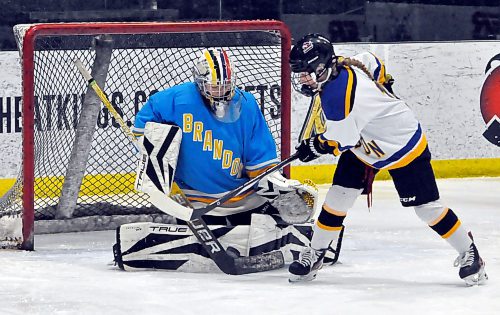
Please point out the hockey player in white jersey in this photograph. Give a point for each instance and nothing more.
(371, 129)
(225, 142)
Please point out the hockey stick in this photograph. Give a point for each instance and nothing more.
(315, 121)
(226, 263)
(314, 124)
(93, 84)
(201, 211)
(173, 208)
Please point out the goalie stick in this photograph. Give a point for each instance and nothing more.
(201, 211)
(226, 263)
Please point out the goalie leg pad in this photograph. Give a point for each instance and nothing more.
(266, 235)
(149, 245)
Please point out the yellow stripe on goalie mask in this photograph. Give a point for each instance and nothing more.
(210, 62)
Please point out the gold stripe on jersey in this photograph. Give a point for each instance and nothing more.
(380, 77)
(255, 173)
(349, 93)
(418, 149)
(407, 159)
(337, 99)
(209, 199)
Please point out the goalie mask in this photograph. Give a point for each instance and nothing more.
(214, 75)
(312, 60)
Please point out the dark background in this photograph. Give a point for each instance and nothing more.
(341, 20)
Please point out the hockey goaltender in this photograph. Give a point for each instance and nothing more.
(200, 140)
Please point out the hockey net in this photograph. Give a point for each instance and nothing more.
(77, 160)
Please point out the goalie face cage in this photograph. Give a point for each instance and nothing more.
(142, 58)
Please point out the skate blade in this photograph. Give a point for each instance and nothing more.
(296, 278)
(476, 279)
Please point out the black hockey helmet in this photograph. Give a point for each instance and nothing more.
(311, 60)
(310, 52)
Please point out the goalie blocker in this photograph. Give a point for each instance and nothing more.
(174, 247)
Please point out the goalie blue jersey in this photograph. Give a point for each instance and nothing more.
(215, 156)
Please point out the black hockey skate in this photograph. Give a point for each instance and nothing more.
(306, 268)
(471, 267)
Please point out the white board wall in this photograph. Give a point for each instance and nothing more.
(441, 82)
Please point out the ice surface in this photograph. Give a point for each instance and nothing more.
(390, 263)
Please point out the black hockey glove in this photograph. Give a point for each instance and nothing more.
(311, 149)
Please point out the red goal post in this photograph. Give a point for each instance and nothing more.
(131, 61)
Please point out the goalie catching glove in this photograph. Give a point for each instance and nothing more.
(295, 201)
(312, 148)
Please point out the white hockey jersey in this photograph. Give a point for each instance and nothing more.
(376, 126)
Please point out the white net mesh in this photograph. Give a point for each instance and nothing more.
(140, 65)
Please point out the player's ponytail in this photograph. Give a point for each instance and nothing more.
(360, 65)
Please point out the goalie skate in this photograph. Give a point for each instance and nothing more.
(306, 268)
